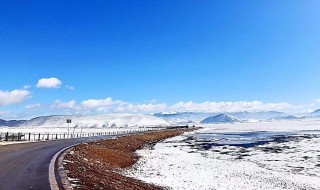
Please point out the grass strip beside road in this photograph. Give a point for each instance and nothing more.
(95, 165)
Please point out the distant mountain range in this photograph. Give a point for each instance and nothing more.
(197, 117)
(10, 123)
(258, 116)
(184, 117)
(157, 119)
(287, 117)
(315, 113)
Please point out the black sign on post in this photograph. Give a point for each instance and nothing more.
(68, 121)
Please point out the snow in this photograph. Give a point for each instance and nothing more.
(222, 118)
(52, 133)
(55, 127)
(57, 130)
(12, 142)
(288, 117)
(184, 117)
(95, 121)
(176, 164)
(266, 126)
(196, 117)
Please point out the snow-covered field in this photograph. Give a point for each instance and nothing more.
(81, 125)
(266, 126)
(290, 160)
(49, 133)
(95, 121)
(59, 130)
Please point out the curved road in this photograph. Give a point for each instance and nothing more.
(26, 166)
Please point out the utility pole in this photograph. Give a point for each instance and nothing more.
(74, 128)
(81, 130)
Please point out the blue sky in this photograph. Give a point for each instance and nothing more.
(147, 56)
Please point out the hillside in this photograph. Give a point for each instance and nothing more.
(184, 117)
(259, 116)
(197, 117)
(287, 117)
(222, 118)
(315, 113)
(95, 121)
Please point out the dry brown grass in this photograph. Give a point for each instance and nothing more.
(96, 164)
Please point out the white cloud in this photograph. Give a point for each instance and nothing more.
(101, 103)
(64, 105)
(49, 83)
(33, 106)
(26, 86)
(70, 87)
(153, 101)
(229, 106)
(110, 105)
(4, 112)
(13, 97)
(141, 107)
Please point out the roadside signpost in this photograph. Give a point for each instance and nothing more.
(68, 121)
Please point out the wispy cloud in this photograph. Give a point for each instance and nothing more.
(32, 106)
(70, 87)
(229, 106)
(26, 86)
(4, 113)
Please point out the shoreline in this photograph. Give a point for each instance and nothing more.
(99, 164)
(181, 163)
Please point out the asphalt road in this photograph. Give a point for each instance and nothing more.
(26, 166)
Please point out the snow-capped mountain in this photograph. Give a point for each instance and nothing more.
(221, 118)
(287, 117)
(95, 121)
(197, 117)
(315, 113)
(157, 119)
(184, 117)
(259, 116)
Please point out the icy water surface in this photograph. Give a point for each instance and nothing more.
(294, 152)
(250, 157)
(243, 139)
